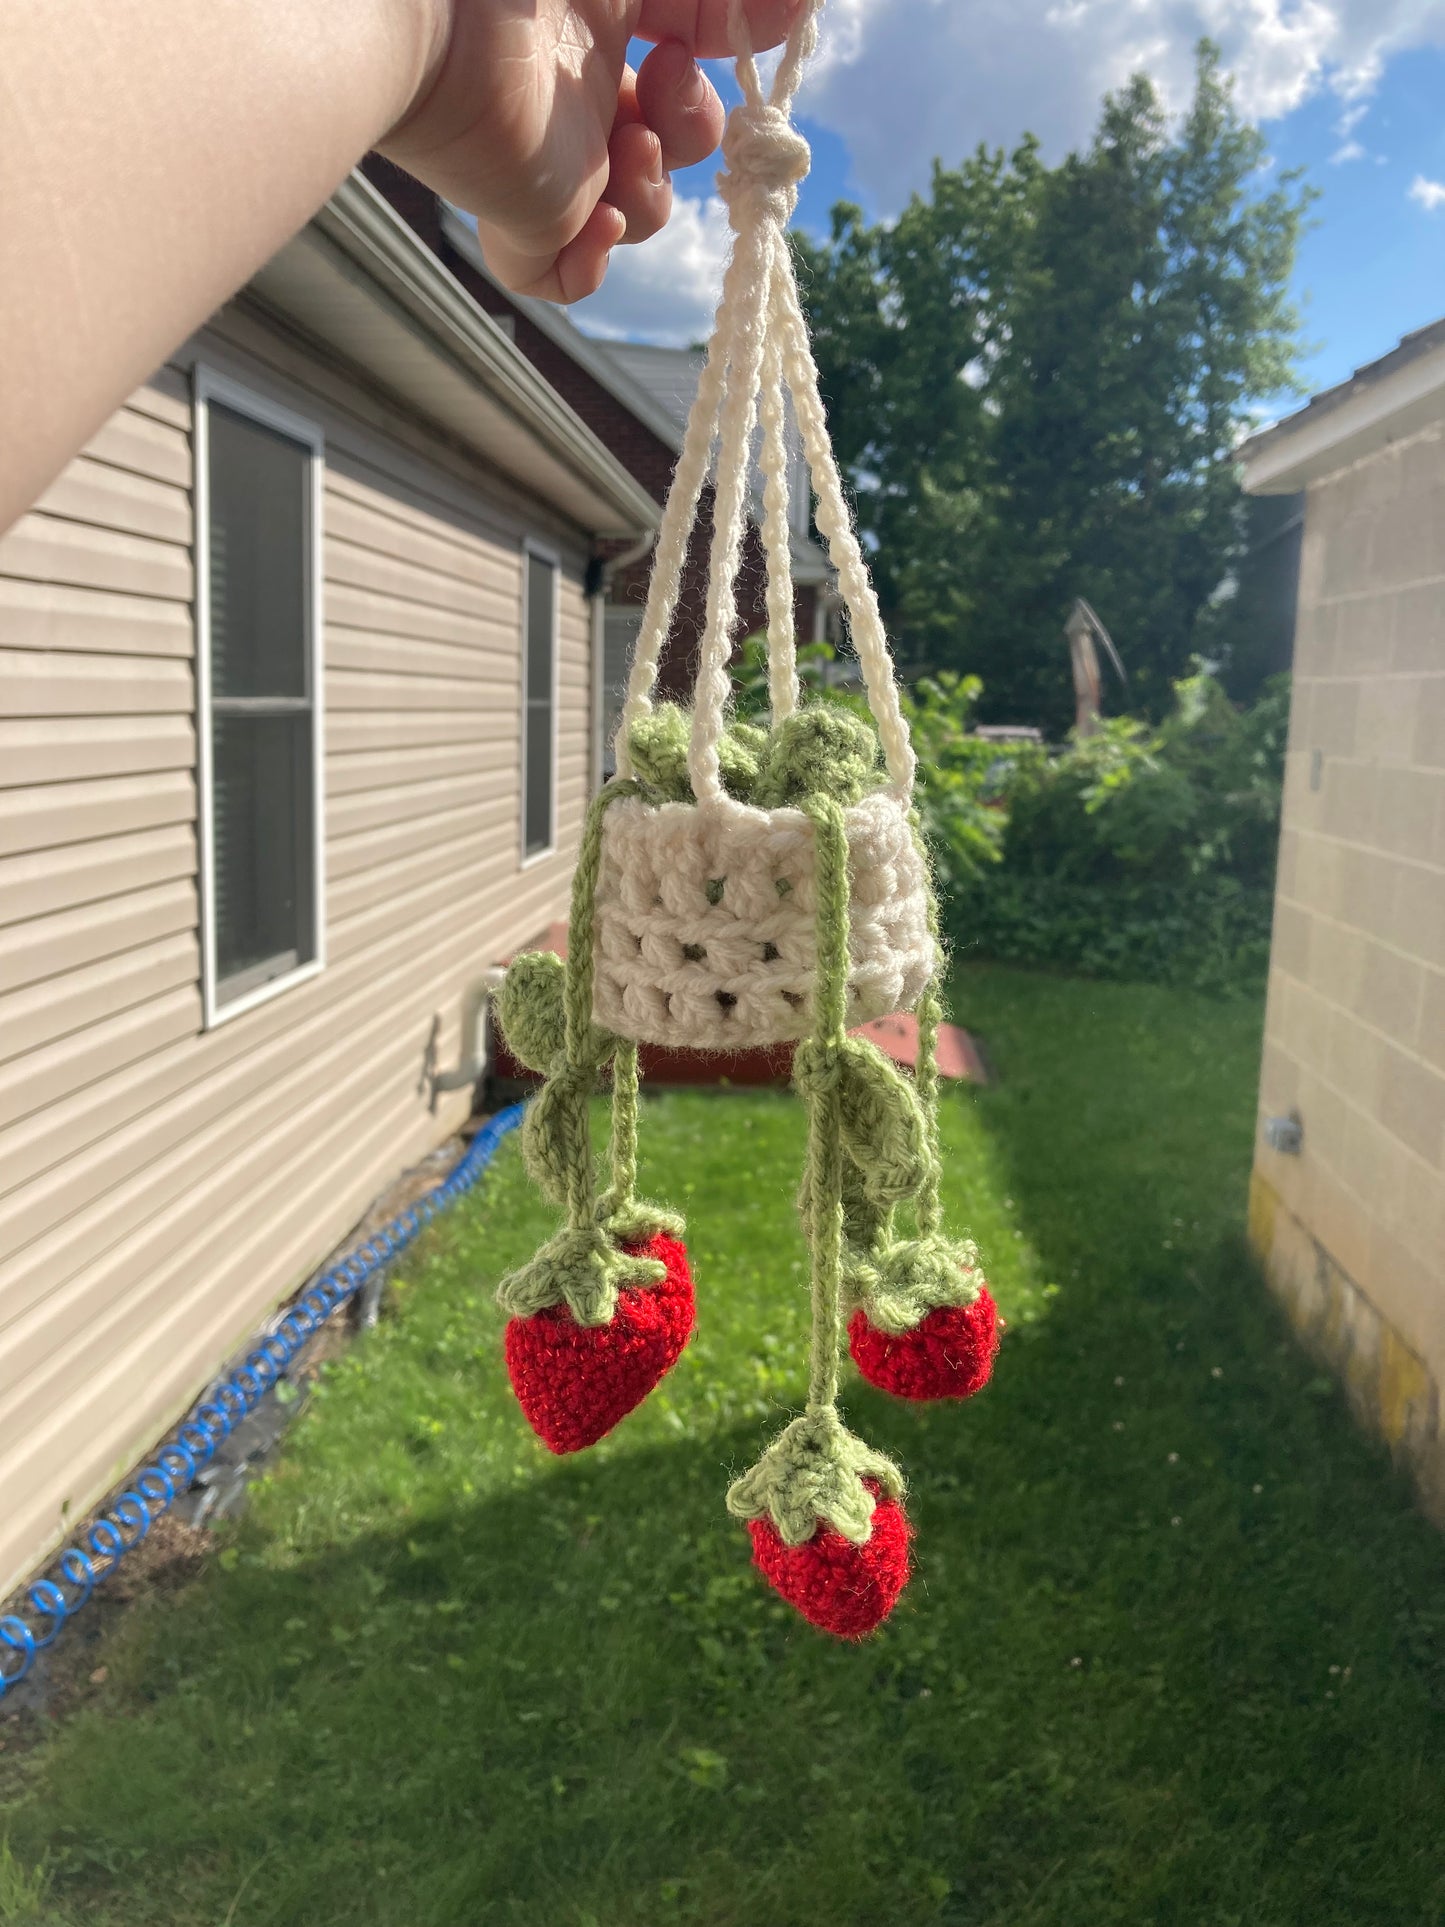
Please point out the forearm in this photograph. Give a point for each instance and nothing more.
(152, 156)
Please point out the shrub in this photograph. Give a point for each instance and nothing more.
(1210, 933)
(1143, 851)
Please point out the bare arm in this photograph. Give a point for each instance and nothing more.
(154, 153)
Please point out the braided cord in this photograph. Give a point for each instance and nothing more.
(624, 1122)
(760, 340)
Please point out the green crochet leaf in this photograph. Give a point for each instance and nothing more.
(900, 1285)
(529, 1008)
(823, 750)
(881, 1120)
(657, 744)
(865, 1221)
(740, 753)
(532, 1012)
(556, 1140)
(814, 1471)
(583, 1270)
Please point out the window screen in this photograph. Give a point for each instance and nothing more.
(539, 679)
(259, 537)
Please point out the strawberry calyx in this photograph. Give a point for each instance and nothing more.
(815, 1472)
(900, 1284)
(582, 1268)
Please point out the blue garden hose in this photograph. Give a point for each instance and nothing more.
(80, 1569)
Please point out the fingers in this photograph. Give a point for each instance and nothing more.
(637, 185)
(702, 25)
(570, 275)
(676, 99)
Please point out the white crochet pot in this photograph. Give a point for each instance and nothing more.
(704, 921)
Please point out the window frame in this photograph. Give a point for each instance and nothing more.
(208, 385)
(542, 553)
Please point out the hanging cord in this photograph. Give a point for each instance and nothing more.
(759, 340)
(778, 538)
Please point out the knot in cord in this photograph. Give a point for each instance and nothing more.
(766, 158)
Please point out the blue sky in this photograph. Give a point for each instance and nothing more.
(1352, 90)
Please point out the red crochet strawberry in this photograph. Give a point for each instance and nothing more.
(575, 1382)
(845, 1589)
(948, 1354)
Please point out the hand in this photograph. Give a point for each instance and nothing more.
(530, 118)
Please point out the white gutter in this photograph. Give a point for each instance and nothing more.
(1382, 404)
(555, 323)
(810, 564)
(362, 282)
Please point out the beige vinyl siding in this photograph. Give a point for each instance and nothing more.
(161, 1186)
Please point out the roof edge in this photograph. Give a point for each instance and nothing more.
(362, 224)
(1381, 403)
(559, 328)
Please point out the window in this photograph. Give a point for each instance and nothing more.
(539, 704)
(257, 536)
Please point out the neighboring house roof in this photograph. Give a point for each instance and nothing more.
(1381, 403)
(358, 279)
(670, 376)
(558, 326)
(657, 385)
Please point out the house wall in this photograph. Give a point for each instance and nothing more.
(161, 1187)
(1353, 1229)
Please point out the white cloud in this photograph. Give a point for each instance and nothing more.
(903, 80)
(1427, 194)
(666, 289)
(1349, 148)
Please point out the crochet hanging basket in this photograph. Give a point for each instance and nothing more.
(741, 885)
(705, 922)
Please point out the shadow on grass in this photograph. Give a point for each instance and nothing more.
(1170, 1656)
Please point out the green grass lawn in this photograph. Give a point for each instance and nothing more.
(1171, 1654)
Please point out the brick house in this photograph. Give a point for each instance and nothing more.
(1348, 1210)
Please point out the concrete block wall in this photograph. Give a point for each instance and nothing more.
(1353, 1230)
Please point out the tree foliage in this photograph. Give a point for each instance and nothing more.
(1037, 377)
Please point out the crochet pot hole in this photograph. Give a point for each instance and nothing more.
(740, 884)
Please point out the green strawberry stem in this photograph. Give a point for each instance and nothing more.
(581, 1266)
(822, 1056)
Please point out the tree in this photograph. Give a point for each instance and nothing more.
(1037, 378)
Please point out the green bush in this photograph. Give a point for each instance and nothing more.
(1142, 852)
(1207, 933)
(1197, 797)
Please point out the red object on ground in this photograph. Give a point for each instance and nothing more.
(897, 1037)
(948, 1354)
(575, 1382)
(841, 1588)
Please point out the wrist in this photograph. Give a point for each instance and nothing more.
(422, 30)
